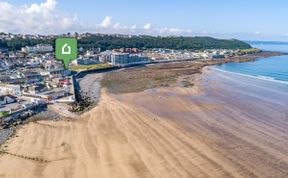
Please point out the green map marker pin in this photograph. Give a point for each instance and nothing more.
(66, 50)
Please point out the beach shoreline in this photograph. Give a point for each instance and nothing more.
(217, 125)
(92, 89)
(137, 79)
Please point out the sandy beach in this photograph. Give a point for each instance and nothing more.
(227, 125)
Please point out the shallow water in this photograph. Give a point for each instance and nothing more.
(272, 68)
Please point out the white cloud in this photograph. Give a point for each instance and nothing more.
(45, 7)
(133, 27)
(147, 26)
(175, 31)
(106, 22)
(205, 32)
(45, 18)
(116, 25)
(35, 18)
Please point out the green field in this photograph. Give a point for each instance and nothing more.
(249, 51)
(87, 67)
(4, 113)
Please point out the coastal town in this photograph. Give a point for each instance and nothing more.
(32, 79)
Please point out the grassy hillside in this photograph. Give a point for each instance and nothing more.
(115, 41)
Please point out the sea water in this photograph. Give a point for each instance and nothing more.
(272, 68)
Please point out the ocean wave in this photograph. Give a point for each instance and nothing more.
(260, 77)
(265, 77)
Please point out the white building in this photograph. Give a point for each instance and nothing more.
(122, 59)
(7, 99)
(40, 48)
(105, 56)
(55, 72)
(86, 60)
(10, 89)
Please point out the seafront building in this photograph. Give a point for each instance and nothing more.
(119, 58)
(123, 59)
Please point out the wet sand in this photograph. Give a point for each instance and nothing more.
(226, 126)
(90, 85)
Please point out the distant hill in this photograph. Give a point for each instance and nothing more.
(110, 42)
(124, 41)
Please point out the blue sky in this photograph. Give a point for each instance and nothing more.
(248, 20)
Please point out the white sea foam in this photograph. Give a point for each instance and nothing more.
(260, 77)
